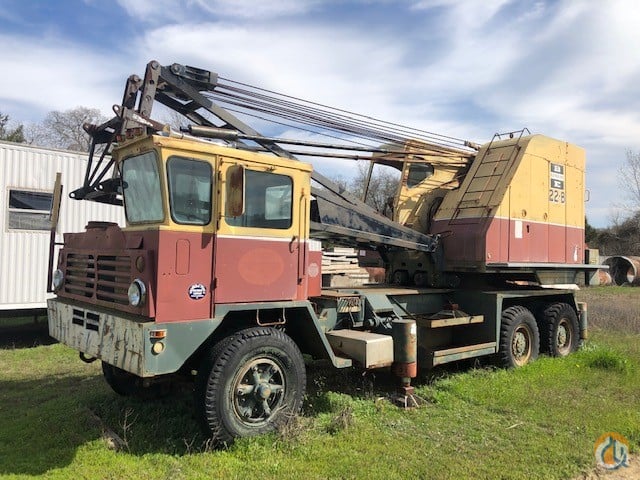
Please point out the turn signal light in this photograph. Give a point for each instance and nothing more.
(157, 334)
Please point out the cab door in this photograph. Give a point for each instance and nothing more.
(185, 249)
(258, 246)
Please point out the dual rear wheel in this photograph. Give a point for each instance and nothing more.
(522, 337)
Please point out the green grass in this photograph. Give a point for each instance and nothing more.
(10, 321)
(540, 421)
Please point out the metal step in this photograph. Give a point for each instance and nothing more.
(440, 357)
(342, 362)
(441, 321)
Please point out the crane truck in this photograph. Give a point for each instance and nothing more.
(217, 276)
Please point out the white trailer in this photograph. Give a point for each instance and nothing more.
(27, 178)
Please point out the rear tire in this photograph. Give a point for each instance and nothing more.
(519, 337)
(560, 330)
(249, 383)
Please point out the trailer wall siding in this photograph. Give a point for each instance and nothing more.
(24, 253)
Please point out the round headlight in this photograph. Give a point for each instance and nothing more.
(58, 279)
(137, 293)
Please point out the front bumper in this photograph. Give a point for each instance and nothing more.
(126, 340)
(115, 339)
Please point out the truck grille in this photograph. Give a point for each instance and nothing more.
(101, 277)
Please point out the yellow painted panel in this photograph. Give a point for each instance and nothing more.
(212, 153)
(549, 184)
(300, 207)
(520, 186)
(491, 168)
(499, 160)
(478, 184)
(413, 204)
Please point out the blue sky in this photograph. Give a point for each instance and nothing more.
(466, 68)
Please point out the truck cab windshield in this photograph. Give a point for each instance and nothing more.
(141, 189)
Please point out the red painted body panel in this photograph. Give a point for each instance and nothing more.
(178, 270)
(530, 245)
(262, 269)
(313, 279)
(574, 245)
(100, 264)
(184, 259)
(464, 242)
(500, 240)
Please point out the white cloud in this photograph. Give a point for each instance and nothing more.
(177, 11)
(49, 74)
(576, 75)
(149, 11)
(464, 15)
(329, 65)
(567, 68)
(263, 10)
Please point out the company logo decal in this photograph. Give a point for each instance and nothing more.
(197, 291)
(314, 270)
(612, 451)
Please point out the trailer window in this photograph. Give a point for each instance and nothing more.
(141, 189)
(189, 190)
(268, 200)
(29, 210)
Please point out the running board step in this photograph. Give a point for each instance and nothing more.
(439, 321)
(440, 357)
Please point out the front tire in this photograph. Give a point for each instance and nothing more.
(560, 330)
(127, 384)
(250, 384)
(121, 381)
(519, 337)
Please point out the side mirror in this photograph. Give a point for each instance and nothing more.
(234, 204)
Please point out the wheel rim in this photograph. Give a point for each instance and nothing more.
(521, 345)
(258, 391)
(564, 337)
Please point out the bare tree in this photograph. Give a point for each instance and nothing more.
(64, 129)
(382, 186)
(629, 179)
(621, 238)
(623, 235)
(172, 118)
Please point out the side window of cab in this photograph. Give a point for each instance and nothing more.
(267, 202)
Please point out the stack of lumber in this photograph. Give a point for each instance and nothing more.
(343, 262)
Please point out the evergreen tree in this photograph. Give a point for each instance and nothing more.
(8, 133)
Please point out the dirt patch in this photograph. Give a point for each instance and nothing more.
(632, 472)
